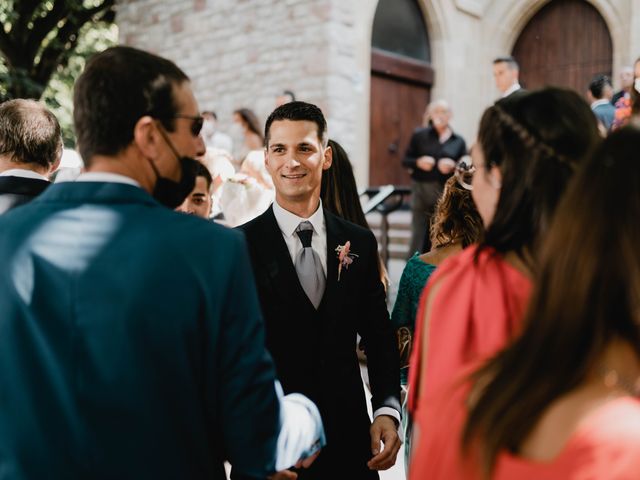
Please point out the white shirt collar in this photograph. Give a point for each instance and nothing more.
(23, 173)
(597, 103)
(288, 222)
(106, 177)
(511, 89)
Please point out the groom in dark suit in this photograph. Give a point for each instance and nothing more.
(315, 303)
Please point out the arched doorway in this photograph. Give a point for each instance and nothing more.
(401, 80)
(565, 44)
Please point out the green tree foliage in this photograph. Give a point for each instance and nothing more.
(44, 45)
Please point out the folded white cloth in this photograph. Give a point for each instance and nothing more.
(301, 430)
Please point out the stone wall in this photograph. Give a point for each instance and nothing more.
(241, 53)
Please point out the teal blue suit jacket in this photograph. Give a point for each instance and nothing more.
(131, 342)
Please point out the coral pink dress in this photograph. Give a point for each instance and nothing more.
(478, 308)
(604, 446)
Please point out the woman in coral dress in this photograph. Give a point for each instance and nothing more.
(527, 150)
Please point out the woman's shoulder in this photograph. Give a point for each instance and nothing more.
(606, 445)
(617, 424)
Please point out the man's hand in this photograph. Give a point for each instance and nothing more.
(446, 165)
(283, 475)
(288, 474)
(384, 428)
(425, 163)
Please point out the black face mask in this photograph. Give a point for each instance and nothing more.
(169, 192)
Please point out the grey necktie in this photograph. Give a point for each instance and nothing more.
(308, 266)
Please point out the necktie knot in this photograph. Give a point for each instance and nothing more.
(305, 232)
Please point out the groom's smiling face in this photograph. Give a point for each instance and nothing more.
(295, 158)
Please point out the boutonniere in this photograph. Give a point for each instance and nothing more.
(345, 257)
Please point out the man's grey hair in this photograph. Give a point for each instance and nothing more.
(29, 133)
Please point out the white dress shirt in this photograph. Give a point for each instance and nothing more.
(288, 222)
(106, 177)
(513, 88)
(23, 173)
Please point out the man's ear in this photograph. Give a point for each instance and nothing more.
(266, 159)
(328, 158)
(146, 136)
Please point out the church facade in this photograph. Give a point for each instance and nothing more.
(373, 65)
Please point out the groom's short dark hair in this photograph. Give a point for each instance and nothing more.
(297, 112)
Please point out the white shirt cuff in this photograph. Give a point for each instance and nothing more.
(301, 431)
(392, 412)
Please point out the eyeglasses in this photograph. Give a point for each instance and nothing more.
(196, 122)
(464, 172)
(196, 125)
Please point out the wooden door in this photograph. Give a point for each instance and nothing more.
(565, 44)
(400, 92)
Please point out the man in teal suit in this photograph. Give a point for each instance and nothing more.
(131, 341)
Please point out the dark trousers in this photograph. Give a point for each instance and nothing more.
(424, 196)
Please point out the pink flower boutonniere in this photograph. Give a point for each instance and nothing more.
(345, 256)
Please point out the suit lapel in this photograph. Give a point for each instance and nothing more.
(333, 294)
(278, 263)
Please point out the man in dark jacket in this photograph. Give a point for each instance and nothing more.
(30, 150)
(431, 159)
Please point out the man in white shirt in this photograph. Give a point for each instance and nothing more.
(319, 285)
(30, 150)
(505, 73)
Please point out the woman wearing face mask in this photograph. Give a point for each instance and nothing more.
(527, 150)
(246, 122)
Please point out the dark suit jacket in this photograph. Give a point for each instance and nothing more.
(15, 191)
(315, 351)
(132, 343)
(426, 141)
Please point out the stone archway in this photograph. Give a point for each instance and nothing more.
(564, 43)
(401, 80)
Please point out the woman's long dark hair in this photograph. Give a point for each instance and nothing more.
(537, 140)
(338, 191)
(251, 120)
(586, 294)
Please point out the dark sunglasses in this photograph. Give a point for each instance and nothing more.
(196, 125)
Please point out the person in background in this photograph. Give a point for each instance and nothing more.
(431, 159)
(506, 73)
(528, 148)
(199, 200)
(30, 151)
(562, 401)
(285, 97)
(455, 225)
(212, 136)
(339, 195)
(626, 83)
(628, 107)
(599, 93)
(249, 126)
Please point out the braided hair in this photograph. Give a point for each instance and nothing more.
(537, 140)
